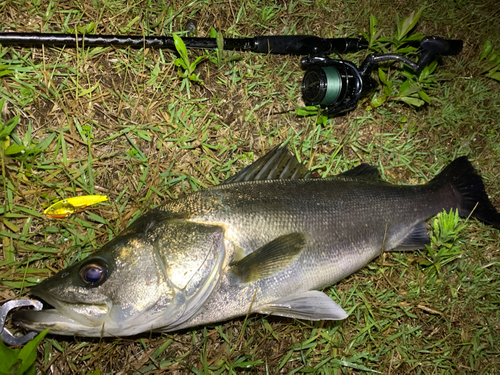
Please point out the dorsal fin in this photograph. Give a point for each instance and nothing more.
(277, 164)
(364, 171)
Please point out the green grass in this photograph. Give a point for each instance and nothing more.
(120, 122)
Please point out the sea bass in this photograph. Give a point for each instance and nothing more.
(264, 241)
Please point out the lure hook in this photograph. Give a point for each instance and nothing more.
(8, 337)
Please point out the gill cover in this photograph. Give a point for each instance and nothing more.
(192, 256)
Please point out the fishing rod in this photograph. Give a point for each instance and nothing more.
(336, 85)
(274, 44)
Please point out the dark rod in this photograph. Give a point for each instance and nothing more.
(278, 44)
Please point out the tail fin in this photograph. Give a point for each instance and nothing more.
(465, 181)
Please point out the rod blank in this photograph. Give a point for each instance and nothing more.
(276, 44)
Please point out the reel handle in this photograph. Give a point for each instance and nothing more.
(432, 46)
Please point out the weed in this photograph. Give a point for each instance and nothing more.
(398, 42)
(491, 61)
(445, 246)
(20, 361)
(220, 57)
(189, 68)
(7, 149)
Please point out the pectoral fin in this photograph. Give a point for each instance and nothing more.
(311, 305)
(270, 258)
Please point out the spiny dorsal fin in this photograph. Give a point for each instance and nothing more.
(270, 258)
(311, 305)
(364, 171)
(277, 164)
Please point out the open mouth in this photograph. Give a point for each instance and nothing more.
(39, 320)
(64, 318)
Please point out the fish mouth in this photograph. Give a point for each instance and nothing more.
(37, 321)
(63, 317)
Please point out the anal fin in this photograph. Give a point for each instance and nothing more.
(416, 239)
(311, 305)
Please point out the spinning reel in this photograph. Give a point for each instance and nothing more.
(337, 85)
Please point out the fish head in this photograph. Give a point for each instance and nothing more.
(153, 275)
(119, 290)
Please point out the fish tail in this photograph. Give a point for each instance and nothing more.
(468, 188)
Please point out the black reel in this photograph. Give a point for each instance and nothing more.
(333, 84)
(337, 85)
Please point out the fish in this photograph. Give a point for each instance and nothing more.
(267, 240)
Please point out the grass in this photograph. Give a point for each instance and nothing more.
(120, 122)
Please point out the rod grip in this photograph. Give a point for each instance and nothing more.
(306, 45)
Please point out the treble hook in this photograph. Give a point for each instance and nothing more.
(8, 337)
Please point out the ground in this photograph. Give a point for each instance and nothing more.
(122, 122)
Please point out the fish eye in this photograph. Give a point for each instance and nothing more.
(94, 273)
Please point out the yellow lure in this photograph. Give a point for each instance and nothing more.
(70, 206)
